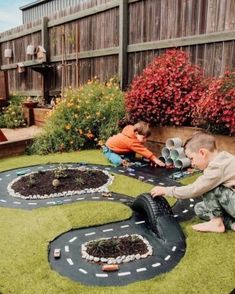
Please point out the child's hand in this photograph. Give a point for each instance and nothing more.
(158, 191)
(157, 162)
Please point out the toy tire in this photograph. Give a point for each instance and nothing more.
(160, 217)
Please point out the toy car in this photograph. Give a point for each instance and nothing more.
(57, 253)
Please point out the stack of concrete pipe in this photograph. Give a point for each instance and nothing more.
(173, 154)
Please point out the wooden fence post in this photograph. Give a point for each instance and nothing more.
(45, 38)
(123, 42)
(46, 46)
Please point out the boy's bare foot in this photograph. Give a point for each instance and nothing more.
(233, 227)
(215, 225)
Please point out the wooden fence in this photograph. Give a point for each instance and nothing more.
(118, 37)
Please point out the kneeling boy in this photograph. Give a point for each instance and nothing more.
(216, 185)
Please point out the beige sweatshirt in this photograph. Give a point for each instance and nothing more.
(220, 171)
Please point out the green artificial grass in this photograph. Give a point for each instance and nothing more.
(208, 265)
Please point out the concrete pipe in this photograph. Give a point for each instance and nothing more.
(169, 161)
(182, 163)
(165, 152)
(174, 142)
(177, 153)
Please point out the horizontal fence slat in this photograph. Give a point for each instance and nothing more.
(87, 54)
(185, 41)
(132, 1)
(29, 93)
(21, 34)
(84, 13)
(26, 63)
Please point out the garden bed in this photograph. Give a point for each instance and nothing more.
(59, 182)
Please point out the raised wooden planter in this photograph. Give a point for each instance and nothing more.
(14, 148)
(41, 115)
(160, 134)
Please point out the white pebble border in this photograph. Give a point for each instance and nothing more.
(119, 259)
(100, 189)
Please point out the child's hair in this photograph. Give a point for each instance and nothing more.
(200, 140)
(142, 128)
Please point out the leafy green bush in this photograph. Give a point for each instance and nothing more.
(12, 115)
(87, 117)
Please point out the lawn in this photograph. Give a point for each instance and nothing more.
(208, 265)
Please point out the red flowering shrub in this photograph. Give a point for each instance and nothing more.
(216, 108)
(166, 92)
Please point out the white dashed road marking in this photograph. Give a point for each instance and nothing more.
(66, 248)
(107, 230)
(89, 234)
(101, 275)
(140, 222)
(167, 257)
(142, 269)
(156, 264)
(69, 260)
(82, 271)
(124, 274)
(72, 240)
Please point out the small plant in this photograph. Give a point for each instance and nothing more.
(60, 172)
(79, 181)
(12, 116)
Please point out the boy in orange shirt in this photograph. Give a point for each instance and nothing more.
(130, 141)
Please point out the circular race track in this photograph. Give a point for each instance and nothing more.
(167, 251)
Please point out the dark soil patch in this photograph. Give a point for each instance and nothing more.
(115, 247)
(69, 180)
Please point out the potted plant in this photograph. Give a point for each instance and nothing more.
(30, 102)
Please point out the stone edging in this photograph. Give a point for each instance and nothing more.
(119, 259)
(100, 189)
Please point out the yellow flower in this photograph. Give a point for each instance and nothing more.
(90, 135)
(68, 127)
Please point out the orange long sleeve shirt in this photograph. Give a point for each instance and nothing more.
(126, 141)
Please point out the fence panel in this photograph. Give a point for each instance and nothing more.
(84, 40)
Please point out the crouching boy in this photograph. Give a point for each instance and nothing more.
(216, 185)
(130, 141)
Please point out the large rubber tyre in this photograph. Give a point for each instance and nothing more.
(160, 217)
